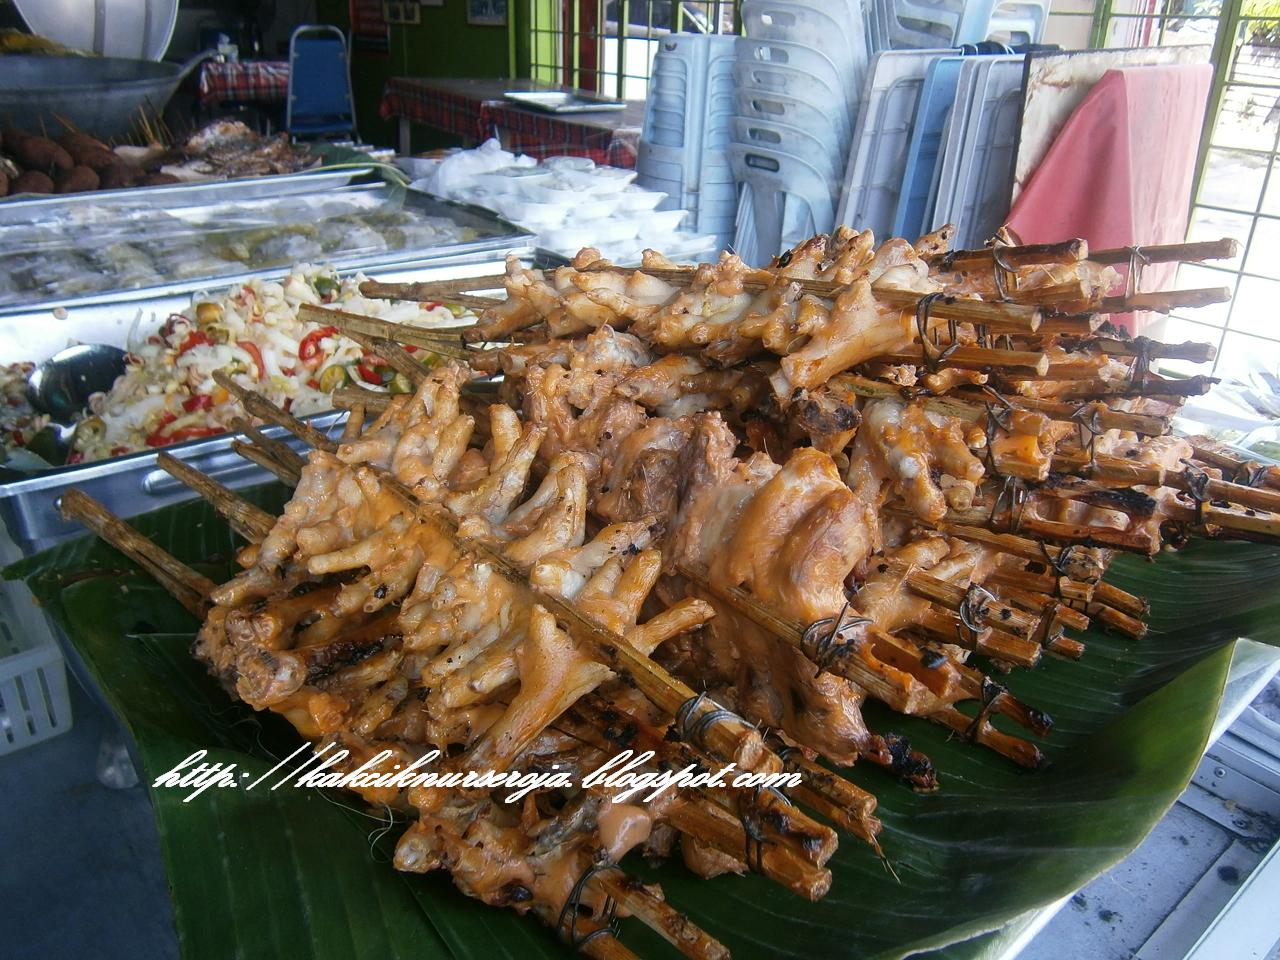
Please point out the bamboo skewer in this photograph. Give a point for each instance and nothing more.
(943, 626)
(372, 401)
(1224, 249)
(609, 727)
(1024, 255)
(284, 473)
(431, 291)
(188, 587)
(673, 926)
(915, 700)
(978, 358)
(1079, 565)
(721, 830)
(1079, 325)
(1247, 472)
(1141, 346)
(955, 597)
(968, 405)
(1164, 301)
(443, 340)
(249, 521)
(277, 449)
(262, 408)
(1148, 387)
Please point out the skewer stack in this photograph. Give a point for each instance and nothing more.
(707, 512)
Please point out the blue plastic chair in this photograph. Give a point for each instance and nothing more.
(320, 104)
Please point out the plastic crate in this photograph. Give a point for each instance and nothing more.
(34, 703)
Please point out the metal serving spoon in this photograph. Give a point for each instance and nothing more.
(61, 386)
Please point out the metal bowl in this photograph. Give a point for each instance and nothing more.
(100, 95)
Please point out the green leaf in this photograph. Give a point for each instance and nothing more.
(294, 872)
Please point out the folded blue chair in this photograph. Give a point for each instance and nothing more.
(320, 104)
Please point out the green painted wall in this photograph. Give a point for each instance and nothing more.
(442, 45)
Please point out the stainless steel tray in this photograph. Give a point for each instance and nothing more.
(560, 101)
(36, 333)
(493, 236)
(129, 485)
(25, 207)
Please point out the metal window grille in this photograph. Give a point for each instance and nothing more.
(608, 45)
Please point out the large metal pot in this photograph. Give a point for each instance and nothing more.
(100, 95)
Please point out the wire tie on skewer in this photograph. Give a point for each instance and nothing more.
(991, 691)
(1058, 564)
(1092, 423)
(1141, 368)
(1001, 272)
(1016, 494)
(754, 838)
(569, 912)
(996, 418)
(929, 359)
(1137, 261)
(823, 646)
(1197, 487)
(973, 610)
(693, 729)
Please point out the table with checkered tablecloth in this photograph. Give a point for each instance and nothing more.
(263, 81)
(475, 110)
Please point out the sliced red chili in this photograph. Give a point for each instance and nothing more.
(155, 438)
(194, 339)
(252, 349)
(200, 402)
(309, 347)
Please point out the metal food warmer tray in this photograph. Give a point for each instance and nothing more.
(374, 226)
(128, 484)
(23, 207)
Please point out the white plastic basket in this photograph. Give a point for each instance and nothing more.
(34, 704)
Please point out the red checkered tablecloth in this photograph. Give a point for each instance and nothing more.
(260, 80)
(474, 110)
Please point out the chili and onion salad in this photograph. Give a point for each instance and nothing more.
(19, 421)
(167, 393)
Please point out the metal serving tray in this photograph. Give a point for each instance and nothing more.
(37, 333)
(27, 330)
(129, 485)
(30, 206)
(559, 101)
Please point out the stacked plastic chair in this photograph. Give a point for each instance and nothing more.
(799, 72)
(684, 145)
(904, 24)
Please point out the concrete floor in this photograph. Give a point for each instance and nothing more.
(82, 872)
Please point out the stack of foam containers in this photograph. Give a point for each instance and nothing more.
(799, 73)
(683, 147)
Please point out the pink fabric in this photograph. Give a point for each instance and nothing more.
(1121, 170)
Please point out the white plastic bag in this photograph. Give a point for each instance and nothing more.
(456, 174)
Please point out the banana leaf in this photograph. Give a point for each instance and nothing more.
(307, 874)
